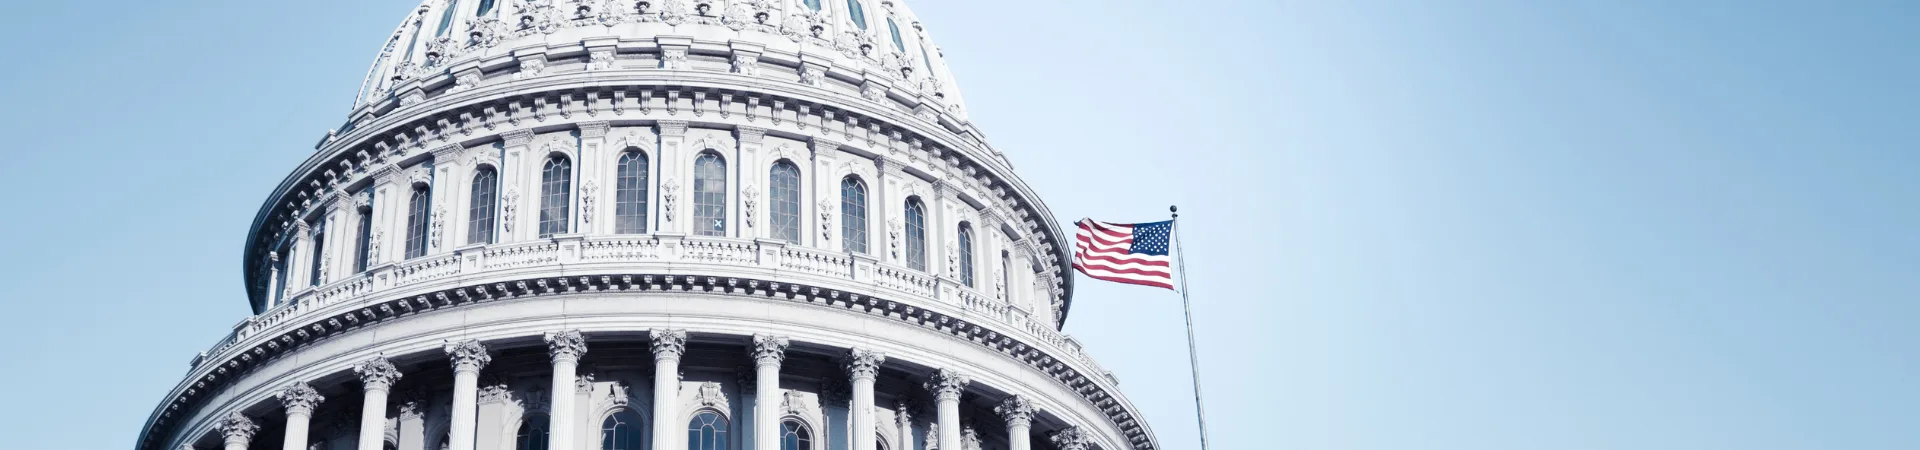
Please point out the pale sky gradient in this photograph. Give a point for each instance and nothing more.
(1468, 225)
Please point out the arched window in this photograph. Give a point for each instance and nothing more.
(319, 252)
(916, 234)
(894, 30)
(486, 6)
(363, 254)
(417, 220)
(709, 195)
(486, 186)
(283, 256)
(556, 195)
(966, 254)
(853, 215)
(446, 20)
(784, 185)
(707, 431)
(795, 436)
(630, 196)
(533, 433)
(812, 4)
(621, 431)
(858, 14)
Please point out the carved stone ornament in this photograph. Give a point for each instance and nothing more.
(953, 259)
(377, 374)
(749, 197)
(946, 384)
(363, 199)
(584, 383)
(864, 364)
(373, 247)
(468, 355)
(827, 211)
(600, 60)
(710, 396)
(1017, 410)
(618, 393)
(1072, 438)
(439, 223)
(933, 438)
(495, 393)
(674, 59)
(674, 12)
(795, 26)
(894, 228)
(587, 199)
(564, 345)
(969, 438)
(769, 349)
(795, 403)
(746, 64)
(325, 263)
(508, 207)
(669, 192)
(238, 428)
(872, 92)
(299, 398)
(531, 67)
(669, 344)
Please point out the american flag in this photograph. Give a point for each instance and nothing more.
(1132, 253)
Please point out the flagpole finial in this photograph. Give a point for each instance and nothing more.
(1175, 209)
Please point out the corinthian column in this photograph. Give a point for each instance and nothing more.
(1018, 411)
(903, 418)
(566, 347)
(376, 377)
(946, 385)
(1072, 438)
(468, 357)
(299, 399)
(668, 345)
(864, 365)
(238, 430)
(767, 353)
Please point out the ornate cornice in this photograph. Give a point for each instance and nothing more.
(566, 345)
(468, 355)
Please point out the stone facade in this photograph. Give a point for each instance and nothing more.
(512, 229)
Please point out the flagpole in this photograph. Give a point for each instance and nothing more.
(1193, 356)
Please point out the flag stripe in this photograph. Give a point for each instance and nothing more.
(1124, 253)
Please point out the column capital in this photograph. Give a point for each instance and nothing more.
(299, 398)
(566, 345)
(864, 364)
(769, 350)
(238, 428)
(1071, 438)
(669, 344)
(468, 355)
(377, 374)
(946, 384)
(1017, 410)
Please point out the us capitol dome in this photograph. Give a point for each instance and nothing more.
(652, 225)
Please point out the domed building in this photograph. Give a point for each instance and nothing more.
(652, 225)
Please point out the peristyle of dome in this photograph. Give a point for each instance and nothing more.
(663, 224)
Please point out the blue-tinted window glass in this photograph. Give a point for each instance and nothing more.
(363, 255)
(630, 194)
(446, 21)
(556, 195)
(710, 195)
(486, 6)
(707, 431)
(916, 234)
(417, 218)
(895, 31)
(858, 14)
(532, 434)
(319, 253)
(813, 4)
(784, 185)
(621, 431)
(853, 215)
(794, 436)
(966, 254)
(480, 217)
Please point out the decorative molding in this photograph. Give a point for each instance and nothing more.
(1071, 438)
(769, 350)
(864, 364)
(299, 398)
(1016, 410)
(669, 344)
(468, 355)
(947, 384)
(566, 345)
(237, 428)
(710, 396)
(377, 374)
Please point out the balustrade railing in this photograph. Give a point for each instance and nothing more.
(835, 265)
(427, 269)
(620, 249)
(713, 251)
(904, 280)
(521, 255)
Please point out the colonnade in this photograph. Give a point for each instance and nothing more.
(378, 376)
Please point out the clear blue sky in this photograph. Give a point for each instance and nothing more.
(1463, 225)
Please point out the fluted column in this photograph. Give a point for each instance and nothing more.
(566, 347)
(1072, 438)
(376, 377)
(238, 431)
(299, 400)
(1018, 412)
(668, 345)
(768, 351)
(864, 366)
(468, 357)
(946, 386)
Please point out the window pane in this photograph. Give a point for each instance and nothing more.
(784, 185)
(486, 6)
(895, 31)
(366, 241)
(707, 431)
(630, 196)
(556, 194)
(417, 218)
(480, 213)
(533, 433)
(858, 14)
(794, 436)
(710, 195)
(319, 253)
(853, 215)
(916, 234)
(966, 254)
(621, 431)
